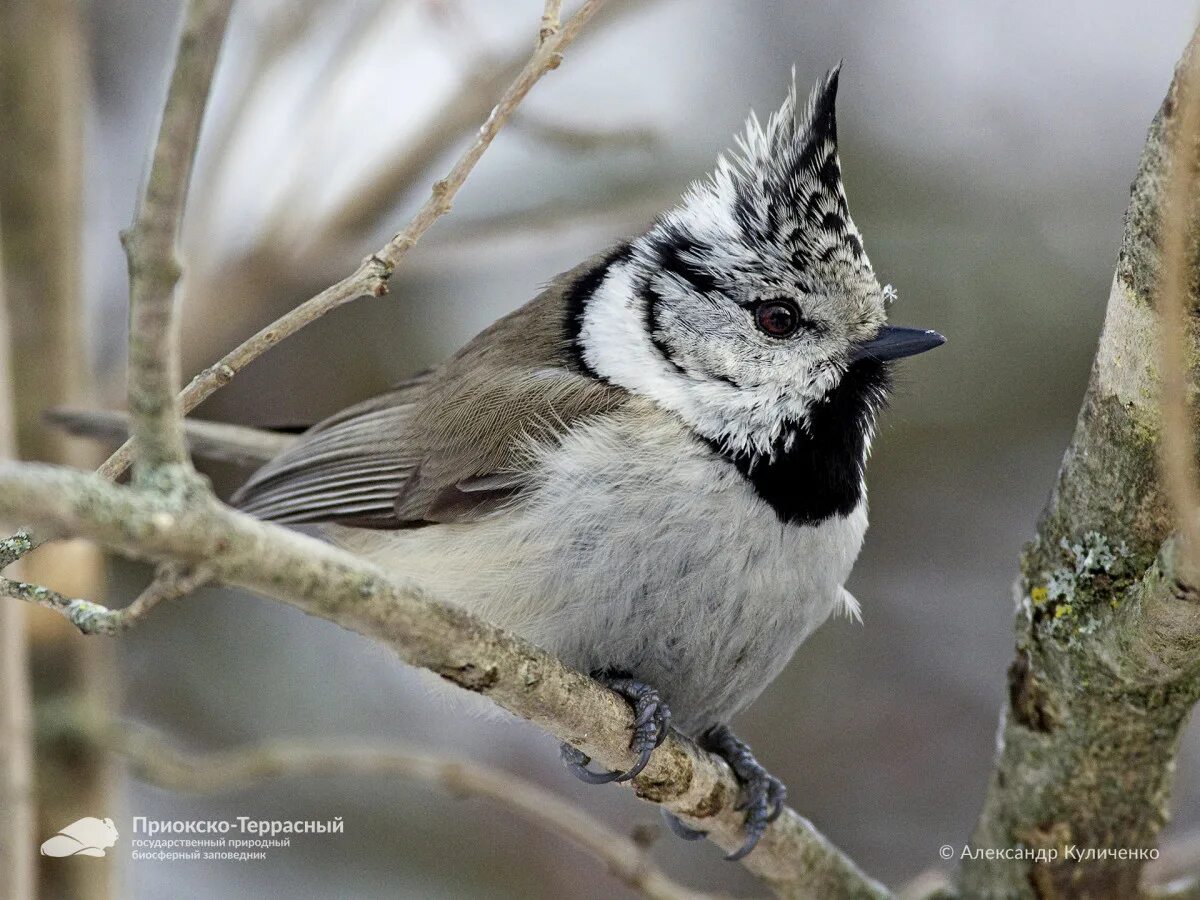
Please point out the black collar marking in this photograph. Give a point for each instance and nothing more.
(575, 306)
(821, 474)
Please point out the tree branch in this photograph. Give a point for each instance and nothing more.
(793, 858)
(154, 760)
(1107, 665)
(154, 270)
(551, 21)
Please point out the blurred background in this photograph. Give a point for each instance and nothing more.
(987, 151)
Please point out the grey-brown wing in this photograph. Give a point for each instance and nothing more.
(446, 446)
(448, 449)
(344, 467)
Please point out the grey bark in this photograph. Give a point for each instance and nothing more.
(1107, 664)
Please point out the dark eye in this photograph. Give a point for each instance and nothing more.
(778, 318)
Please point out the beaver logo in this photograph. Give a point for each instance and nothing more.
(87, 837)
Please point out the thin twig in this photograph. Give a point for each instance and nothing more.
(13, 548)
(582, 139)
(150, 244)
(171, 582)
(156, 761)
(364, 208)
(1174, 302)
(551, 23)
(372, 275)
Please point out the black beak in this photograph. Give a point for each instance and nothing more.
(894, 342)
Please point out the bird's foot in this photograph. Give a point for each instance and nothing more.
(762, 795)
(651, 718)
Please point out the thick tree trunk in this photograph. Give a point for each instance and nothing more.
(1107, 661)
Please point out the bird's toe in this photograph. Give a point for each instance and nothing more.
(651, 719)
(762, 795)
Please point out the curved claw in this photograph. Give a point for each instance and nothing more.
(577, 764)
(682, 831)
(779, 799)
(587, 776)
(762, 795)
(636, 770)
(753, 835)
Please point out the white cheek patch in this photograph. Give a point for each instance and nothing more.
(614, 343)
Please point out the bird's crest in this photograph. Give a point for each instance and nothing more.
(781, 188)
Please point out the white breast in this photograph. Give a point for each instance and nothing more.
(642, 552)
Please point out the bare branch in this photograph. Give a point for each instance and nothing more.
(550, 21)
(170, 583)
(150, 244)
(793, 858)
(372, 275)
(155, 761)
(17, 812)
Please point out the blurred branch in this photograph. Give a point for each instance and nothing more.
(285, 28)
(155, 761)
(44, 95)
(582, 139)
(1176, 872)
(365, 207)
(157, 434)
(1107, 664)
(17, 813)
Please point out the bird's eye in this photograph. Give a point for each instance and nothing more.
(778, 318)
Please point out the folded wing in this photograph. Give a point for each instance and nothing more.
(450, 446)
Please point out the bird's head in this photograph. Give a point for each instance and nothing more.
(753, 300)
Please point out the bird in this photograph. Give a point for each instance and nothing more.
(655, 468)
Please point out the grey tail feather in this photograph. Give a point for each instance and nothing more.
(238, 444)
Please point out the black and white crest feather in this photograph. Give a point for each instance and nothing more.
(781, 189)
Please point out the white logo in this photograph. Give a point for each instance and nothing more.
(87, 837)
